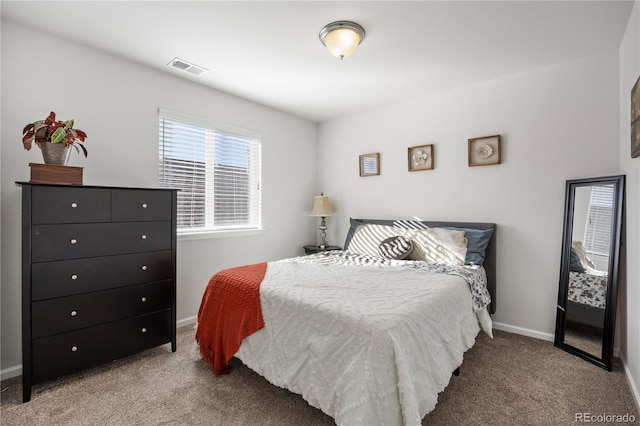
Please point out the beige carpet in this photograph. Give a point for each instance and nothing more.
(507, 380)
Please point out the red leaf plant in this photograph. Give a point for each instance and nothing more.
(51, 130)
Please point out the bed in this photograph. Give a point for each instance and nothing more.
(587, 293)
(366, 338)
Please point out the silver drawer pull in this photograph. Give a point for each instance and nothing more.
(144, 330)
(144, 299)
(144, 267)
(74, 205)
(74, 277)
(74, 349)
(143, 236)
(74, 313)
(73, 241)
(144, 205)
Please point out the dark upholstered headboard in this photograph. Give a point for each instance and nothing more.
(490, 255)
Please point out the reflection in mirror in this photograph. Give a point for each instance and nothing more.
(370, 164)
(589, 268)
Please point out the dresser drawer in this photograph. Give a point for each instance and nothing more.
(67, 277)
(70, 205)
(63, 353)
(54, 316)
(140, 205)
(59, 242)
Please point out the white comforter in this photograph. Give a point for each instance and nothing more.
(364, 344)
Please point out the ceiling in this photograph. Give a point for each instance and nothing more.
(269, 51)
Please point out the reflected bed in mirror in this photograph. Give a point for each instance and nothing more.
(588, 283)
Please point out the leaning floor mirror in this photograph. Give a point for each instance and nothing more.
(588, 288)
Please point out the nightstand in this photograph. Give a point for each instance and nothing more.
(315, 249)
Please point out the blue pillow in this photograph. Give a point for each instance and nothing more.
(477, 243)
(576, 265)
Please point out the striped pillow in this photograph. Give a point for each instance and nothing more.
(409, 224)
(397, 248)
(367, 238)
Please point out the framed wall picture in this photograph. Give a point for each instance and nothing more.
(484, 151)
(420, 158)
(635, 120)
(370, 164)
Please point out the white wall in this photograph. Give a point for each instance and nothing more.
(116, 102)
(557, 123)
(630, 274)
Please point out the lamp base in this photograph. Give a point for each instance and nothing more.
(323, 233)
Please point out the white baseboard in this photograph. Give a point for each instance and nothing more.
(16, 370)
(632, 384)
(537, 334)
(523, 331)
(10, 372)
(186, 321)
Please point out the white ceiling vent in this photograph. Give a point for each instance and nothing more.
(183, 65)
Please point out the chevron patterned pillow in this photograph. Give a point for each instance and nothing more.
(397, 247)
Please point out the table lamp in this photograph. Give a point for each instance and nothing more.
(322, 208)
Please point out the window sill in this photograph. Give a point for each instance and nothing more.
(219, 234)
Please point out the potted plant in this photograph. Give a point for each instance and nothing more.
(54, 138)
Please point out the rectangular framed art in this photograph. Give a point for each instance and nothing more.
(369, 164)
(420, 158)
(484, 151)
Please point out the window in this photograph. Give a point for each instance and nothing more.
(597, 235)
(217, 170)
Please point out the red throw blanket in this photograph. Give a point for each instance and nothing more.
(229, 312)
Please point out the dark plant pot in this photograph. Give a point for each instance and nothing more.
(54, 153)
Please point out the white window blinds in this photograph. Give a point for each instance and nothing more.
(598, 231)
(217, 170)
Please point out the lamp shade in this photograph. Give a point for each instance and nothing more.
(342, 37)
(321, 206)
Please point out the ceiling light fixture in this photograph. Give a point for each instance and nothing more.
(342, 37)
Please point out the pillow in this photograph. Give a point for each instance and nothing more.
(477, 239)
(367, 238)
(438, 245)
(397, 247)
(587, 263)
(409, 224)
(575, 265)
(477, 243)
(353, 226)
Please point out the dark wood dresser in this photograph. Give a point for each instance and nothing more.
(98, 276)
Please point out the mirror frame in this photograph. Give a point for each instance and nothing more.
(605, 360)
